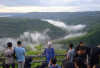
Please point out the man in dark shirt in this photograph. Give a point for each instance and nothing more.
(81, 53)
(94, 56)
(81, 43)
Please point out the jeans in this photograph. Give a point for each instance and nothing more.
(48, 60)
(21, 64)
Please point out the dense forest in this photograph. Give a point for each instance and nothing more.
(15, 25)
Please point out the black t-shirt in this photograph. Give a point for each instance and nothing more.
(83, 66)
(94, 56)
(84, 56)
(77, 48)
(86, 47)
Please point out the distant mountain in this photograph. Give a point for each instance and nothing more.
(67, 17)
(58, 15)
(9, 14)
(70, 18)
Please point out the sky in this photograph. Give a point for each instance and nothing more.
(24, 6)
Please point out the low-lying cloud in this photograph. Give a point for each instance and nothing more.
(69, 28)
(27, 38)
(72, 30)
(74, 35)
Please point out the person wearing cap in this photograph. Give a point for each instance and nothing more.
(49, 51)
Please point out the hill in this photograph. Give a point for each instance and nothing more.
(14, 27)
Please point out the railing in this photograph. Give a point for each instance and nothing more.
(39, 61)
(2, 60)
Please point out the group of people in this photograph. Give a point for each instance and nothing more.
(83, 56)
(79, 57)
(10, 55)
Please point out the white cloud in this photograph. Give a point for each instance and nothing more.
(74, 35)
(68, 28)
(48, 2)
(72, 30)
(49, 9)
(49, 5)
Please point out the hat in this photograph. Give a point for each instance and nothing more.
(49, 43)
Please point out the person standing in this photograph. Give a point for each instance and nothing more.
(49, 51)
(94, 56)
(81, 53)
(81, 44)
(20, 52)
(70, 53)
(9, 56)
(88, 50)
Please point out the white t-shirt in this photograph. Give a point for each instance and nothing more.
(70, 55)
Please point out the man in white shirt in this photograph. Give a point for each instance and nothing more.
(70, 53)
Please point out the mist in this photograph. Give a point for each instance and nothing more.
(69, 28)
(72, 30)
(74, 35)
(28, 39)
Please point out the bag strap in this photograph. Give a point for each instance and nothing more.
(14, 49)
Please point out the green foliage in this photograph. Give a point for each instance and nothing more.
(39, 49)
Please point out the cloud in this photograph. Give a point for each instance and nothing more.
(48, 2)
(72, 30)
(74, 35)
(49, 5)
(25, 9)
(27, 39)
(68, 28)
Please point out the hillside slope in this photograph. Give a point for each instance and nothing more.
(14, 27)
(92, 38)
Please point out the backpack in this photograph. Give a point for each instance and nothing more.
(14, 55)
(28, 62)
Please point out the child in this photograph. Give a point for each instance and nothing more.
(53, 63)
